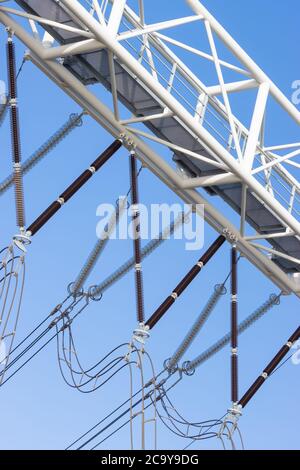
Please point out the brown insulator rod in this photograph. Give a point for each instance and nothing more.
(137, 239)
(234, 327)
(15, 134)
(164, 307)
(73, 188)
(269, 369)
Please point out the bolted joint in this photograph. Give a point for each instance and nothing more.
(128, 142)
(231, 237)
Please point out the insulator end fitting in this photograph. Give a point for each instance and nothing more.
(141, 333)
(187, 369)
(275, 299)
(235, 411)
(71, 290)
(92, 294)
(21, 240)
(171, 368)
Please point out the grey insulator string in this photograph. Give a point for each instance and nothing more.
(75, 120)
(243, 326)
(146, 251)
(99, 246)
(191, 335)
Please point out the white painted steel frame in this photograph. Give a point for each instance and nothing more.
(237, 171)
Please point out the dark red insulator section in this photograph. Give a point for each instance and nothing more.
(252, 391)
(15, 134)
(11, 69)
(234, 328)
(43, 218)
(276, 360)
(107, 154)
(76, 185)
(73, 188)
(180, 288)
(234, 378)
(270, 368)
(137, 240)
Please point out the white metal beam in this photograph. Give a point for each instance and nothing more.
(159, 27)
(275, 162)
(116, 17)
(53, 24)
(187, 119)
(86, 99)
(256, 124)
(244, 58)
(199, 53)
(232, 87)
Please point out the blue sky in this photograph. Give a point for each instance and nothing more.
(38, 410)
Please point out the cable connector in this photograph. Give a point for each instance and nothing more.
(230, 422)
(235, 411)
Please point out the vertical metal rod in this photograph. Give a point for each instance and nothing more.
(269, 369)
(164, 307)
(137, 239)
(15, 134)
(234, 327)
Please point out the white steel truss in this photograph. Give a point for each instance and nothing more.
(233, 155)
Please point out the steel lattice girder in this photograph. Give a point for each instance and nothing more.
(214, 167)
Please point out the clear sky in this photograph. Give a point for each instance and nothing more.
(38, 410)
